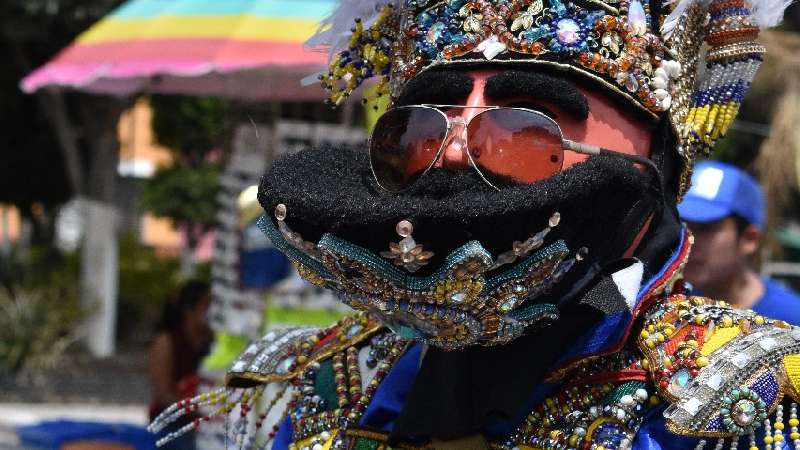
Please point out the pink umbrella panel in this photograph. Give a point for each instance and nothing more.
(251, 49)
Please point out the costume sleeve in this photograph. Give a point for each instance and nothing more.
(724, 372)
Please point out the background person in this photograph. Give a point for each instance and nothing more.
(182, 340)
(724, 209)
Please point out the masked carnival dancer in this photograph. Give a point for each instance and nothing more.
(510, 239)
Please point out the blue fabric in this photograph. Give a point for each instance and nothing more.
(600, 337)
(283, 438)
(260, 269)
(653, 435)
(778, 302)
(720, 190)
(54, 434)
(391, 394)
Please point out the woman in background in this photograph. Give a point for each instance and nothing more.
(182, 340)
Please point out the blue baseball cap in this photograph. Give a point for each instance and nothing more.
(720, 190)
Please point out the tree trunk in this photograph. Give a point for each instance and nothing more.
(100, 255)
(95, 190)
(188, 263)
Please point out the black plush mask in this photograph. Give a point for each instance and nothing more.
(336, 221)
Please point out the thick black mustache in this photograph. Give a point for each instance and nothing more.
(332, 190)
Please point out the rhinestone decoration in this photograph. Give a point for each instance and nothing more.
(470, 300)
(407, 253)
(742, 411)
(405, 41)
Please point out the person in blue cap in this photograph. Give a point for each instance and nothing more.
(724, 209)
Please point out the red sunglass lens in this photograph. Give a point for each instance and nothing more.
(404, 144)
(515, 145)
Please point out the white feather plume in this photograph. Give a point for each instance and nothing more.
(334, 33)
(765, 13)
(768, 13)
(674, 17)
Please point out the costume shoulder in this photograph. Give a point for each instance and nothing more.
(263, 377)
(724, 371)
(282, 355)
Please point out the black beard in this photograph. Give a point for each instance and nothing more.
(332, 190)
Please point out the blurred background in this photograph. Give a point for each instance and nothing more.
(131, 135)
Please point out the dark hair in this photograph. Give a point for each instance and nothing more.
(189, 295)
(741, 223)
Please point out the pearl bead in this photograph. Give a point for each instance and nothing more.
(404, 228)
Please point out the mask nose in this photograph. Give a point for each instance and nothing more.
(454, 155)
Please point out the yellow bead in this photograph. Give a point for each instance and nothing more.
(794, 435)
(753, 448)
(698, 319)
(768, 439)
(644, 334)
(758, 320)
(701, 361)
(778, 438)
(778, 425)
(794, 422)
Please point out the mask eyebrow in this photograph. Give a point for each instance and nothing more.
(512, 84)
(444, 87)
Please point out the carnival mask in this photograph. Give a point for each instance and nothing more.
(451, 261)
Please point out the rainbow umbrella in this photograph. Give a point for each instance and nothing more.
(249, 49)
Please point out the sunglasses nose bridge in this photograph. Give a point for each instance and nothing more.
(453, 154)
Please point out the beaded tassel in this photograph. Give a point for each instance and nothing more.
(732, 61)
(794, 434)
(768, 439)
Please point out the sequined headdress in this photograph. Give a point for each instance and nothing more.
(651, 53)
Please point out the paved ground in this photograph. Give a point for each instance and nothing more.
(120, 380)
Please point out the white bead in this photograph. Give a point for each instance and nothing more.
(627, 400)
(621, 414)
(324, 435)
(661, 94)
(641, 395)
(661, 71)
(317, 447)
(673, 69)
(666, 103)
(659, 83)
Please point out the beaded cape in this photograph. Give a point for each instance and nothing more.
(709, 373)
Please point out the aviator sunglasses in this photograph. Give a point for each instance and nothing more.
(505, 145)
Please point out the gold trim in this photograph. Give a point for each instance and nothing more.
(260, 378)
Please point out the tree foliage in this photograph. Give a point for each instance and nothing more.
(31, 33)
(191, 127)
(186, 195)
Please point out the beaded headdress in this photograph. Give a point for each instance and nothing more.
(646, 51)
